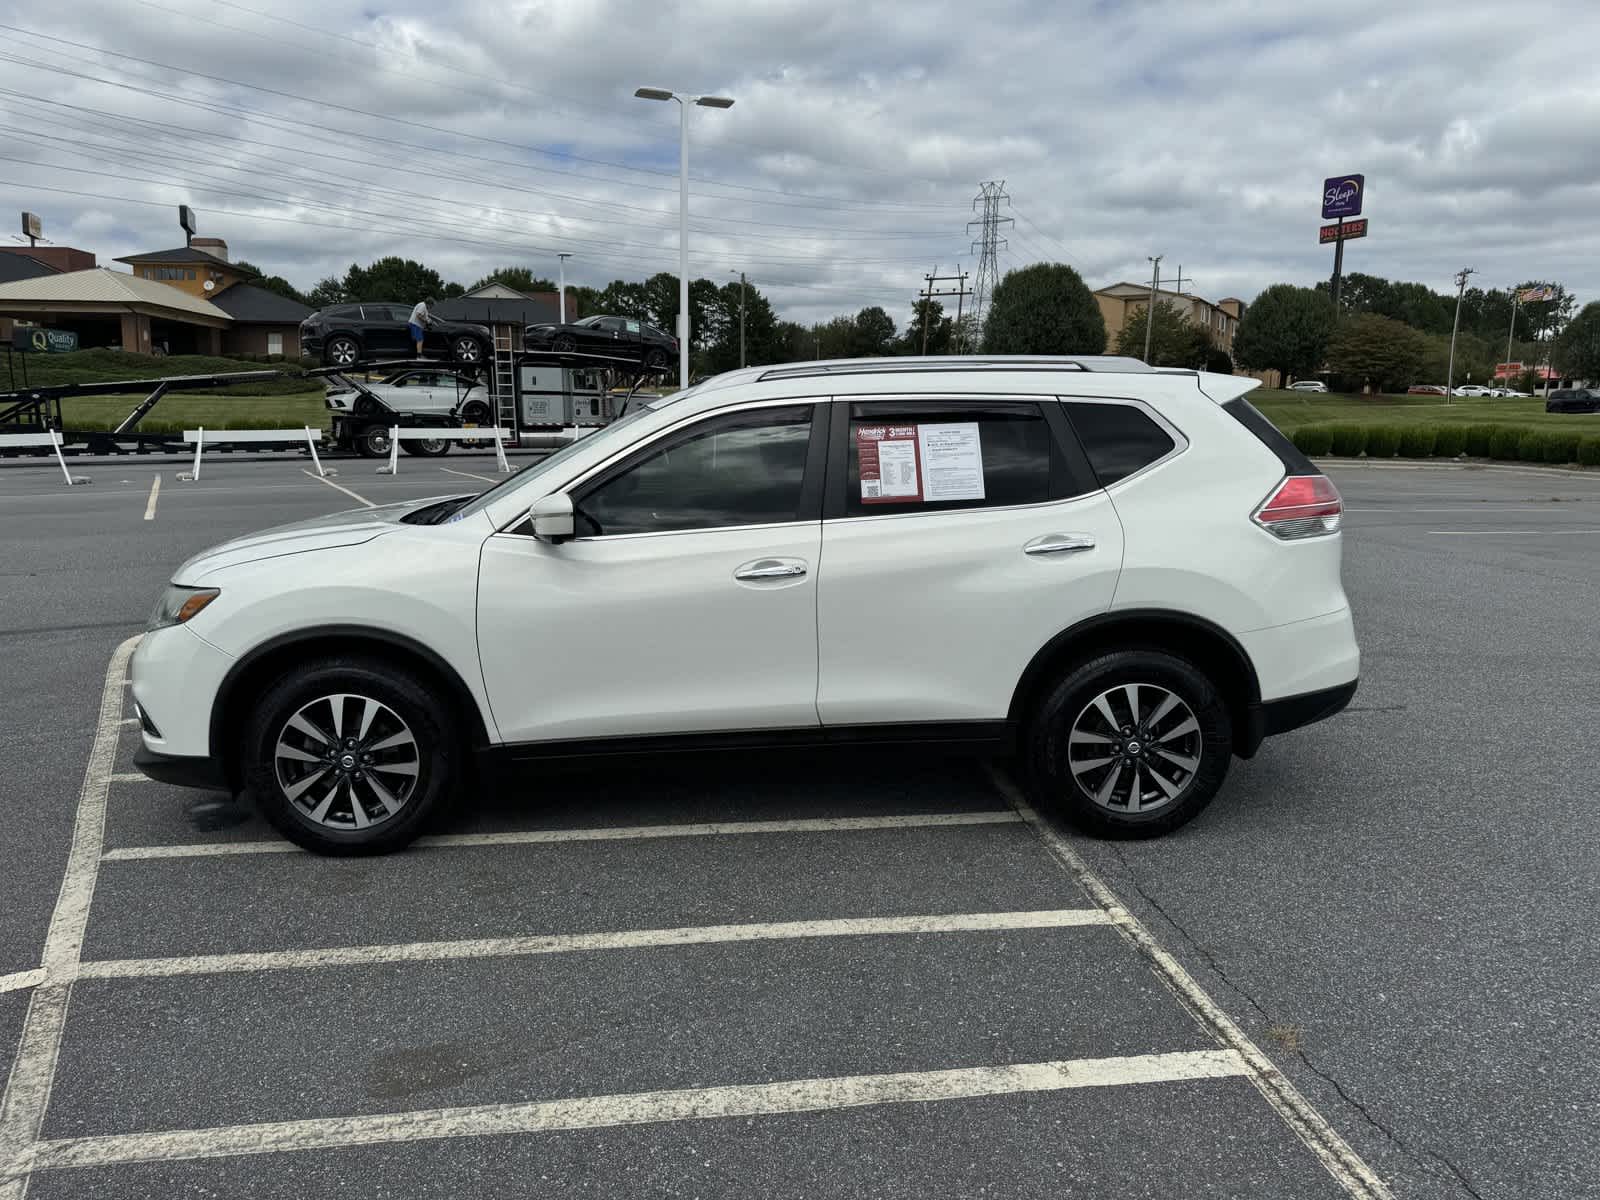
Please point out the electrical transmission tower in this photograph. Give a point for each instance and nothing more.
(988, 243)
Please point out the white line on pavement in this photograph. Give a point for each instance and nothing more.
(18, 980)
(1335, 1154)
(130, 777)
(33, 1070)
(1506, 532)
(525, 837)
(470, 475)
(150, 507)
(599, 1112)
(566, 943)
(338, 488)
(128, 721)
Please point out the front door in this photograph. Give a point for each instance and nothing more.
(962, 535)
(384, 331)
(687, 601)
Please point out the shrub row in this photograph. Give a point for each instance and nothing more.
(1509, 443)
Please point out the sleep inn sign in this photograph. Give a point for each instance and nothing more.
(1342, 195)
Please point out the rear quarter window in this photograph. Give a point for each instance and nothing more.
(1118, 438)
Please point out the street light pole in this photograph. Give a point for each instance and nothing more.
(648, 93)
(1150, 311)
(741, 317)
(563, 293)
(1450, 371)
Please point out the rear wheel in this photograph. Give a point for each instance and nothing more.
(427, 447)
(475, 413)
(373, 442)
(564, 343)
(1130, 744)
(341, 351)
(467, 350)
(656, 357)
(350, 756)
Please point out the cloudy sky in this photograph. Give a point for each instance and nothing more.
(471, 134)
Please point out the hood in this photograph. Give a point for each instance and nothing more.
(320, 533)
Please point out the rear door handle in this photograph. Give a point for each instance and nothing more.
(771, 568)
(1060, 543)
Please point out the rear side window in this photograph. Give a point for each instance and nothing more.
(1118, 438)
(1270, 436)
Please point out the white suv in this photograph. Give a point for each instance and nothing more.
(1123, 575)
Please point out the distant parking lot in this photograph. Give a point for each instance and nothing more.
(1373, 958)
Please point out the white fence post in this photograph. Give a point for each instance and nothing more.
(500, 450)
(51, 438)
(55, 442)
(199, 445)
(311, 444)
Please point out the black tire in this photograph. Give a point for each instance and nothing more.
(1167, 802)
(476, 413)
(373, 441)
(563, 343)
(467, 349)
(407, 703)
(655, 357)
(427, 448)
(341, 351)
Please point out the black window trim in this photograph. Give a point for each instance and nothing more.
(1180, 440)
(811, 488)
(1080, 475)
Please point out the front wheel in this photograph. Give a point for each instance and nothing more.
(426, 447)
(349, 756)
(564, 343)
(373, 442)
(1130, 744)
(656, 357)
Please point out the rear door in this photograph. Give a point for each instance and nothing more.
(384, 329)
(960, 535)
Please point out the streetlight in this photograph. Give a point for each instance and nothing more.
(563, 294)
(740, 274)
(649, 93)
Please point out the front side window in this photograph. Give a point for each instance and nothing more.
(631, 326)
(1118, 438)
(745, 469)
(933, 456)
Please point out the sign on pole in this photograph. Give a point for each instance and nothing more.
(1342, 231)
(1342, 196)
(32, 227)
(186, 221)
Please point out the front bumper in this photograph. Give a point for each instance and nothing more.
(182, 770)
(175, 676)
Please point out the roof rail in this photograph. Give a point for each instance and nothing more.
(872, 366)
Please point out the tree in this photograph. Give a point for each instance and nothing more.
(940, 327)
(518, 279)
(872, 335)
(328, 292)
(1045, 308)
(1369, 350)
(1286, 328)
(1577, 350)
(1175, 341)
(400, 280)
(719, 329)
(1218, 361)
(272, 283)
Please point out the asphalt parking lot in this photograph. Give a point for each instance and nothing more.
(1375, 956)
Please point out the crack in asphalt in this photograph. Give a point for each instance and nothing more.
(1366, 1114)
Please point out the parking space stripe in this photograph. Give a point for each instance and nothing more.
(567, 943)
(470, 475)
(33, 1070)
(18, 980)
(525, 837)
(150, 505)
(1344, 1164)
(336, 487)
(1506, 532)
(638, 1108)
(130, 777)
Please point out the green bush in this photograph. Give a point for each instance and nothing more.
(1561, 447)
(1504, 443)
(1313, 440)
(1382, 441)
(1417, 441)
(1347, 441)
(1449, 441)
(1476, 440)
(1589, 451)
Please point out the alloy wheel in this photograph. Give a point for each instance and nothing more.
(467, 350)
(343, 353)
(1134, 748)
(347, 762)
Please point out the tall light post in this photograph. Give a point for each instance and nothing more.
(649, 93)
(1150, 310)
(563, 258)
(740, 274)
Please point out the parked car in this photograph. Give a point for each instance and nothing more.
(605, 335)
(1573, 400)
(1126, 576)
(1427, 389)
(1308, 385)
(1474, 390)
(1513, 394)
(346, 334)
(418, 391)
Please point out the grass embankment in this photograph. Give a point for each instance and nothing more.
(178, 411)
(1427, 427)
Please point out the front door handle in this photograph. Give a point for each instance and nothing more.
(1060, 543)
(771, 568)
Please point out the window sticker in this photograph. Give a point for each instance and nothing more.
(887, 455)
(952, 461)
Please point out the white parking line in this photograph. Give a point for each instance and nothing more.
(526, 837)
(130, 777)
(470, 475)
(150, 506)
(33, 1070)
(18, 980)
(1506, 532)
(337, 487)
(1335, 1154)
(568, 943)
(638, 1108)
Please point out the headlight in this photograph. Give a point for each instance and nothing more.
(178, 604)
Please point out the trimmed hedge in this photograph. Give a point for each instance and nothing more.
(1508, 443)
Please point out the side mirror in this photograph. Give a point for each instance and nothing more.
(552, 518)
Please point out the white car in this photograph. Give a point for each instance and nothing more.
(1308, 385)
(1129, 576)
(1474, 389)
(419, 391)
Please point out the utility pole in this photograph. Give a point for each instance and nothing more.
(1450, 371)
(928, 296)
(741, 318)
(563, 293)
(1511, 333)
(1150, 309)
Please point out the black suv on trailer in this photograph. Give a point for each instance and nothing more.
(613, 336)
(346, 334)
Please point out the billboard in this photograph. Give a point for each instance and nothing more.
(186, 219)
(1342, 230)
(1341, 196)
(32, 227)
(1536, 295)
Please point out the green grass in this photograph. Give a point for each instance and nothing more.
(178, 411)
(102, 366)
(1290, 410)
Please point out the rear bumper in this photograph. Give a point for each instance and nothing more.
(181, 770)
(1266, 718)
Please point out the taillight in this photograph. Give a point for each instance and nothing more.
(1302, 506)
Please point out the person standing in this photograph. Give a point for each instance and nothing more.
(418, 324)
